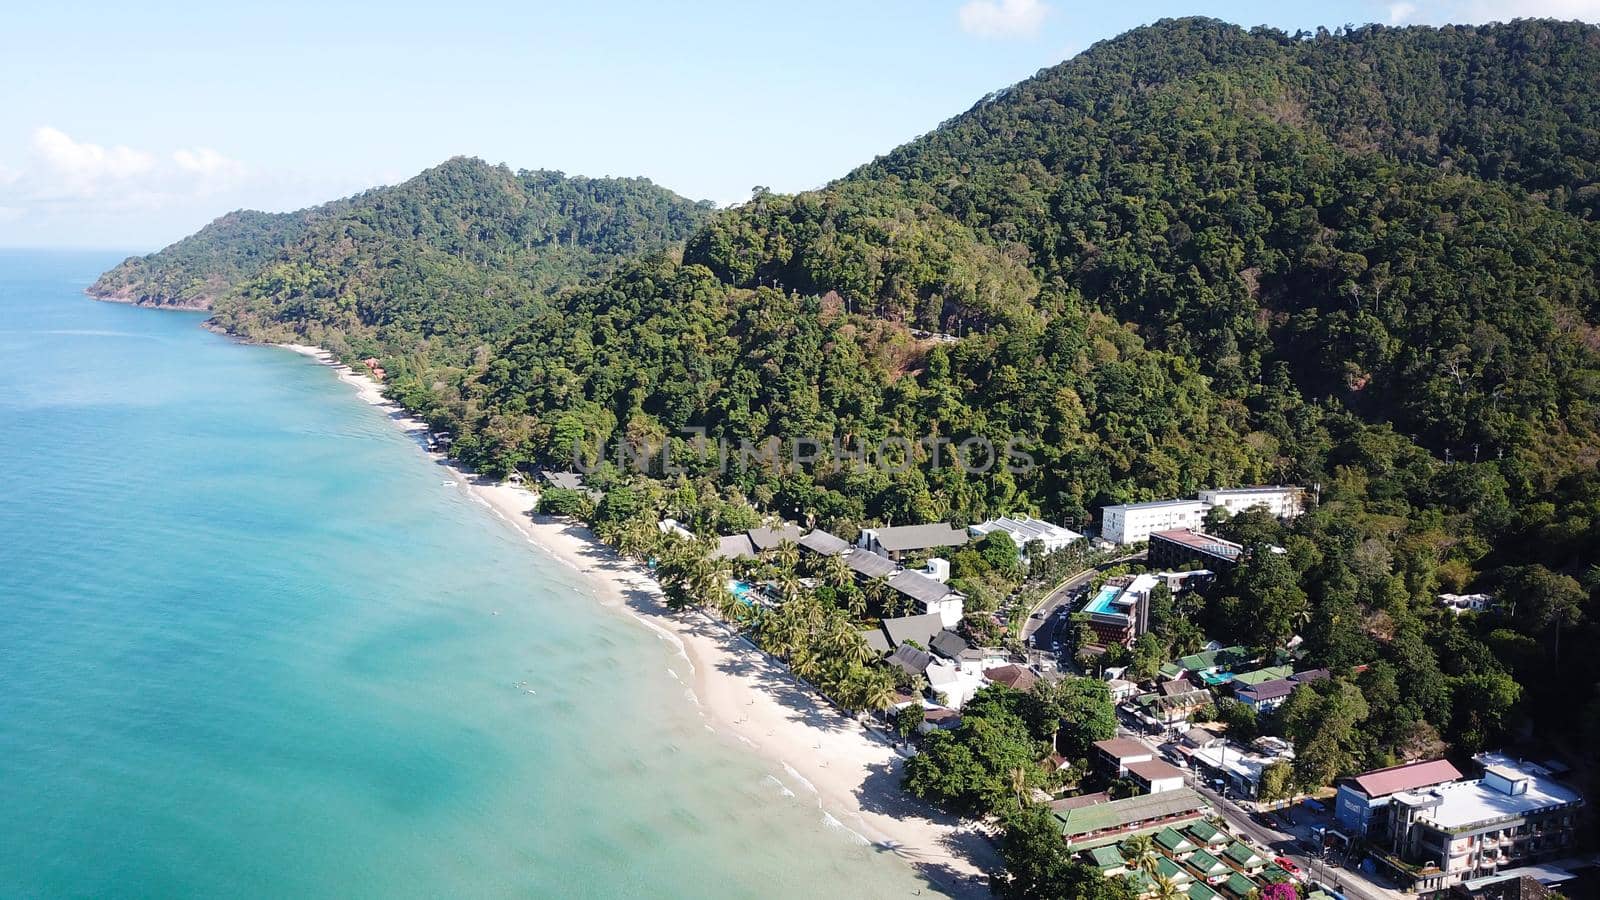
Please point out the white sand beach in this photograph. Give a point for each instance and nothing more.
(746, 696)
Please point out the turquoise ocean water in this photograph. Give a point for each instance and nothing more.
(248, 647)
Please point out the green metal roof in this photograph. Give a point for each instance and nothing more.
(1119, 813)
(1171, 670)
(1209, 659)
(1166, 868)
(1205, 832)
(1271, 673)
(1238, 885)
(1108, 857)
(1243, 855)
(1139, 881)
(1173, 840)
(1206, 864)
(1202, 891)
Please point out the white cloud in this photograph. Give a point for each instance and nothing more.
(64, 171)
(81, 167)
(1402, 13)
(1003, 18)
(208, 162)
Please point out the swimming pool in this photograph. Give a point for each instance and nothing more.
(742, 590)
(1102, 602)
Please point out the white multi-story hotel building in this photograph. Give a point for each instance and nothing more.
(1283, 502)
(1131, 523)
(1134, 522)
(1455, 832)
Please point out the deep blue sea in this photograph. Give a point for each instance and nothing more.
(249, 647)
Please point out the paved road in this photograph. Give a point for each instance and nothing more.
(1045, 628)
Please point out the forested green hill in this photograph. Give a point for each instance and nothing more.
(195, 271)
(439, 264)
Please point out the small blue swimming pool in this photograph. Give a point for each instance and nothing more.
(1102, 602)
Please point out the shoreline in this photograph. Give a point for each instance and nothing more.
(742, 693)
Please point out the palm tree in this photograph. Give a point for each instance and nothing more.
(708, 580)
(1019, 785)
(1167, 889)
(836, 573)
(787, 556)
(881, 594)
(878, 693)
(638, 538)
(1140, 851)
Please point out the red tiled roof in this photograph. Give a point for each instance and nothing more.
(1014, 677)
(1409, 777)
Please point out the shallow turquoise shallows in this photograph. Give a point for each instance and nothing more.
(249, 647)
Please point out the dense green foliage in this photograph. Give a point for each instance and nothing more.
(434, 270)
(207, 265)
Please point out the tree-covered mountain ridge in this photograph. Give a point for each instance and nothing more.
(376, 261)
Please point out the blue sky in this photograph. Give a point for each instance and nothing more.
(127, 125)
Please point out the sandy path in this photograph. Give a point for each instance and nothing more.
(853, 772)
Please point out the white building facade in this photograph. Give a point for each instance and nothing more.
(1134, 522)
(1283, 501)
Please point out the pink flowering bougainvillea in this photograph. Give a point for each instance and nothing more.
(1283, 891)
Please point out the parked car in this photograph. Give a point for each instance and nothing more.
(1288, 865)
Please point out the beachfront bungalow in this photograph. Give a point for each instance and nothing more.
(931, 596)
(868, 566)
(1206, 865)
(895, 542)
(754, 542)
(1244, 858)
(823, 543)
(910, 660)
(1175, 843)
(1107, 859)
(674, 528)
(1208, 836)
(938, 718)
(949, 645)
